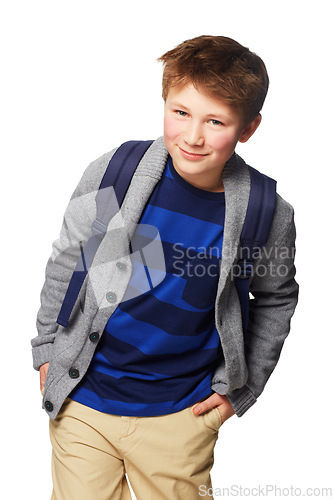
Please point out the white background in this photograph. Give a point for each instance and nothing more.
(80, 77)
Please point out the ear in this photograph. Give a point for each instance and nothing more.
(250, 129)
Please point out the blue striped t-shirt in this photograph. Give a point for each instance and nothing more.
(160, 346)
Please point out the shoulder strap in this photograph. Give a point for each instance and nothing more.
(255, 232)
(118, 174)
(260, 210)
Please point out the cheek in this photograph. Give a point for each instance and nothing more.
(172, 128)
(223, 142)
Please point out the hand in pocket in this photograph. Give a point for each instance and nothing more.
(42, 375)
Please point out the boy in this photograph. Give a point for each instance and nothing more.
(149, 340)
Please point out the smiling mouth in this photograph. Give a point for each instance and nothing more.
(188, 154)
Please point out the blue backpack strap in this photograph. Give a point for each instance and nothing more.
(118, 174)
(255, 232)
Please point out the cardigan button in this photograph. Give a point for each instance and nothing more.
(48, 406)
(111, 297)
(94, 337)
(74, 373)
(121, 266)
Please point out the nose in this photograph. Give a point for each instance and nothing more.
(194, 134)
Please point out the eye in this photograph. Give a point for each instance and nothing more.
(216, 122)
(180, 112)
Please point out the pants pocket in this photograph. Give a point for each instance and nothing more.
(211, 419)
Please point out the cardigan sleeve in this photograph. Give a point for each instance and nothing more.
(275, 295)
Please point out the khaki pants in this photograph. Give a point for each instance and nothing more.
(165, 457)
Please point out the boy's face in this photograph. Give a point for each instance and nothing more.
(201, 134)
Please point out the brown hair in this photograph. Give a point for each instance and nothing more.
(221, 68)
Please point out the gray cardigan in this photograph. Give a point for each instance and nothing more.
(247, 362)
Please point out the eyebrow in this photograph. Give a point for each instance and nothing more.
(178, 105)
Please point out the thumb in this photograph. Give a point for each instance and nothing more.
(207, 404)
